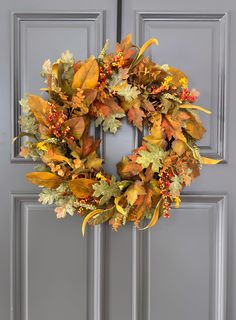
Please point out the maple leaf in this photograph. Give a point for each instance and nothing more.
(106, 190)
(154, 155)
(172, 126)
(136, 115)
(110, 123)
(135, 190)
(93, 162)
(128, 92)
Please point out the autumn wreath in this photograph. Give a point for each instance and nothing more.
(107, 89)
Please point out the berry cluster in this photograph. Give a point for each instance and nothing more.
(164, 184)
(56, 119)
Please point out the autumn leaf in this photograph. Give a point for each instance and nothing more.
(194, 127)
(88, 145)
(154, 155)
(146, 45)
(109, 106)
(135, 190)
(127, 169)
(135, 116)
(125, 43)
(89, 96)
(110, 123)
(39, 108)
(106, 190)
(88, 217)
(156, 133)
(176, 76)
(44, 179)
(205, 160)
(173, 126)
(77, 126)
(155, 216)
(179, 147)
(87, 75)
(191, 106)
(53, 153)
(81, 187)
(93, 162)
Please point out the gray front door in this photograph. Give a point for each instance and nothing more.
(184, 267)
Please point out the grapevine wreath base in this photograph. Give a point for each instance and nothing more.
(107, 89)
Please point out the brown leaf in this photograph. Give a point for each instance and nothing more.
(81, 187)
(128, 169)
(44, 179)
(108, 107)
(77, 126)
(87, 75)
(89, 96)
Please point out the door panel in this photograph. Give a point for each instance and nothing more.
(183, 259)
(54, 273)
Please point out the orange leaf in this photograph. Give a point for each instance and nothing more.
(39, 108)
(81, 187)
(44, 179)
(136, 115)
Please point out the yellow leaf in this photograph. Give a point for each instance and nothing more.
(81, 187)
(93, 162)
(87, 75)
(177, 75)
(194, 127)
(118, 207)
(39, 107)
(191, 106)
(88, 217)
(44, 179)
(134, 191)
(179, 147)
(156, 133)
(155, 217)
(147, 45)
(205, 160)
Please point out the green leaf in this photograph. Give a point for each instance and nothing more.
(128, 92)
(154, 155)
(110, 123)
(175, 186)
(106, 190)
